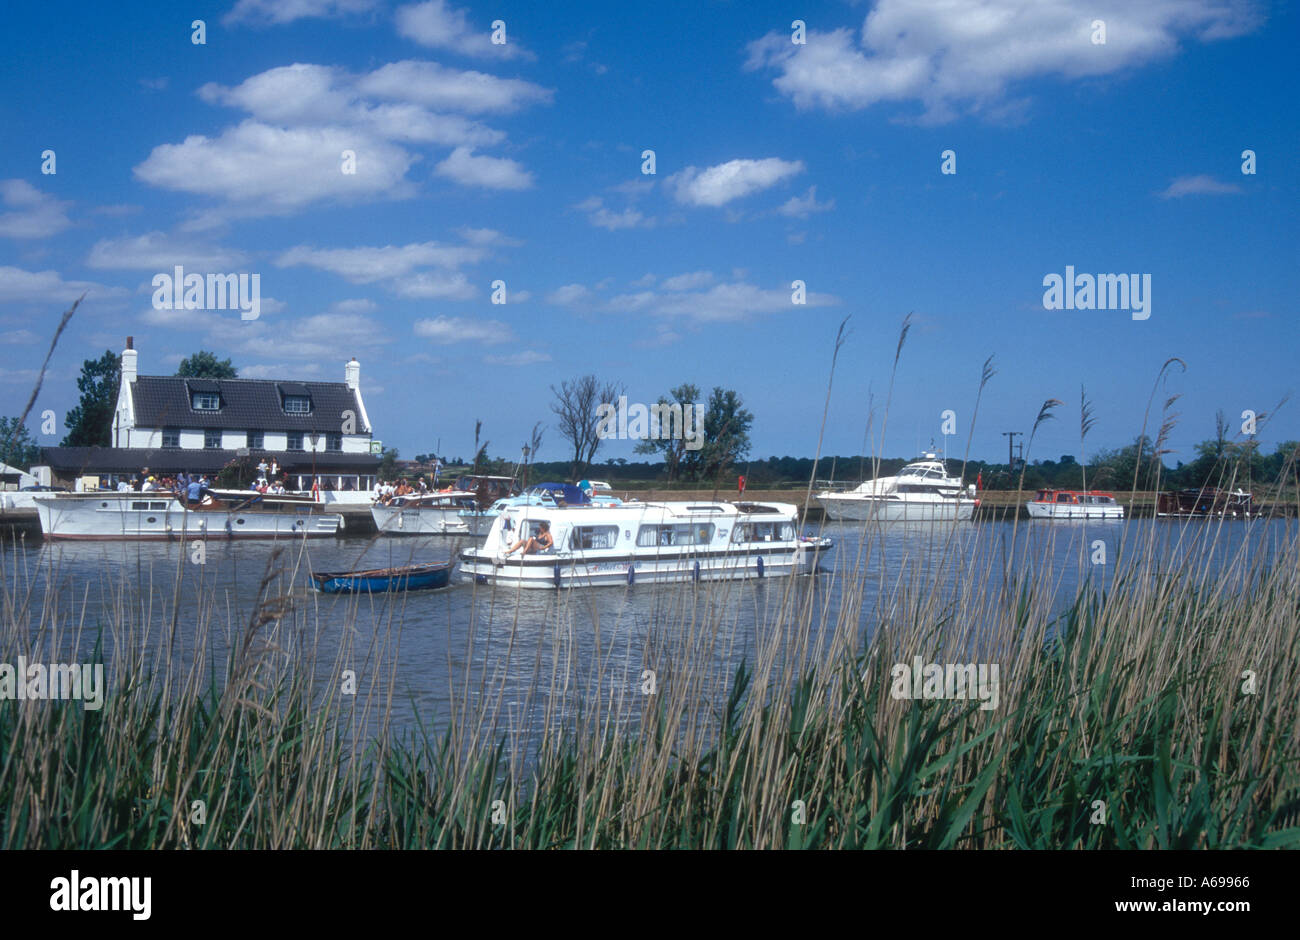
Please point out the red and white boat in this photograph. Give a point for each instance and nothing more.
(1074, 504)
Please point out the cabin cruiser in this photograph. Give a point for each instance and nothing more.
(920, 492)
(1074, 504)
(657, 542)
(1208, 501)
(458, 510)
(162, 515)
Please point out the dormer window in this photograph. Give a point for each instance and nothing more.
(205, 394)
(295, 398)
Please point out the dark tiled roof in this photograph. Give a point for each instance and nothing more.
(78, 460)
(163, 401)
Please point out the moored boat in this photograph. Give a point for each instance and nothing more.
(161, 515)
(1074, 504)
(380, 580)
(639, 543)
(920, 492)
(1208, 501)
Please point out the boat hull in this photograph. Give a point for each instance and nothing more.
(847, 508)
(140, 518)
(414, 578)
(551, 571)
(1071, 511)
(421, 520)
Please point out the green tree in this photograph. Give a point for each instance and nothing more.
(388, 464)
(206, 365)
(90, 423)
(726, 434)
(672, 448)
(17, 446)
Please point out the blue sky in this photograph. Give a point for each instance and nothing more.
(775, 162)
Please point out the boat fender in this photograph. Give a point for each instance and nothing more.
(697, 571)
(631, 573)
(760, 566)
(557, 574)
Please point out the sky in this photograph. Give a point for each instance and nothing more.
(522, 161)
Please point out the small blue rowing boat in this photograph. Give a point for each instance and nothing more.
(380, 580)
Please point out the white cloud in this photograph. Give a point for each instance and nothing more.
(33, 214)
(528, 357)
(1202, 185)
(366, 265)
(440, 26)
(446, 330)
(439, 86)
(800, 207)
(718, 185)
(159, 251)
(263, 169)
(357, 306)
(601, 216)
(429, 285)
(278, 12)
(18, 286)
(488, 172)
(568, 295)
(954, 57)
(692, 281)
(18, 337)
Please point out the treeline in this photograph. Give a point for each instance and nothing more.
(1218, 462)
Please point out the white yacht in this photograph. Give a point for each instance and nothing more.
(161, 515)
(635, 543)
(451, 513)
(921, 492)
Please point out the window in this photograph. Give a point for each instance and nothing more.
(212, 440)
(297, 404)
(256, 440)
(333, 441)
(171, 437)
(586, 537)
(206, 401)
(294, 441)
(763, 532)
(665, 536)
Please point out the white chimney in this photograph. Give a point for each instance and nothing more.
(129, 361)
(352, 374)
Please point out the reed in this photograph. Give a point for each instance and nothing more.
(1126, 697)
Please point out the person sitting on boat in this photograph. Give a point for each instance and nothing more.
(194, 492)
(541, 542)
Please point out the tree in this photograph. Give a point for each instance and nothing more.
(388, 464)
(726, 433)
(206, 365)
(575, 404)
(17, 446)
(673, 448)
(90, 423)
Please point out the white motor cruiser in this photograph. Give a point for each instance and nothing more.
(921, 492)
(642, 543)
(161, 515)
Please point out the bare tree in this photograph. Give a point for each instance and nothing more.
(575, 405)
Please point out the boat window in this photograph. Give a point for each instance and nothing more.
(1063, 497)
(593, 536)
(663, 536)
(763, 532)
(139, 504)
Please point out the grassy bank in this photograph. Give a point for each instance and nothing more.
(1156, 708)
